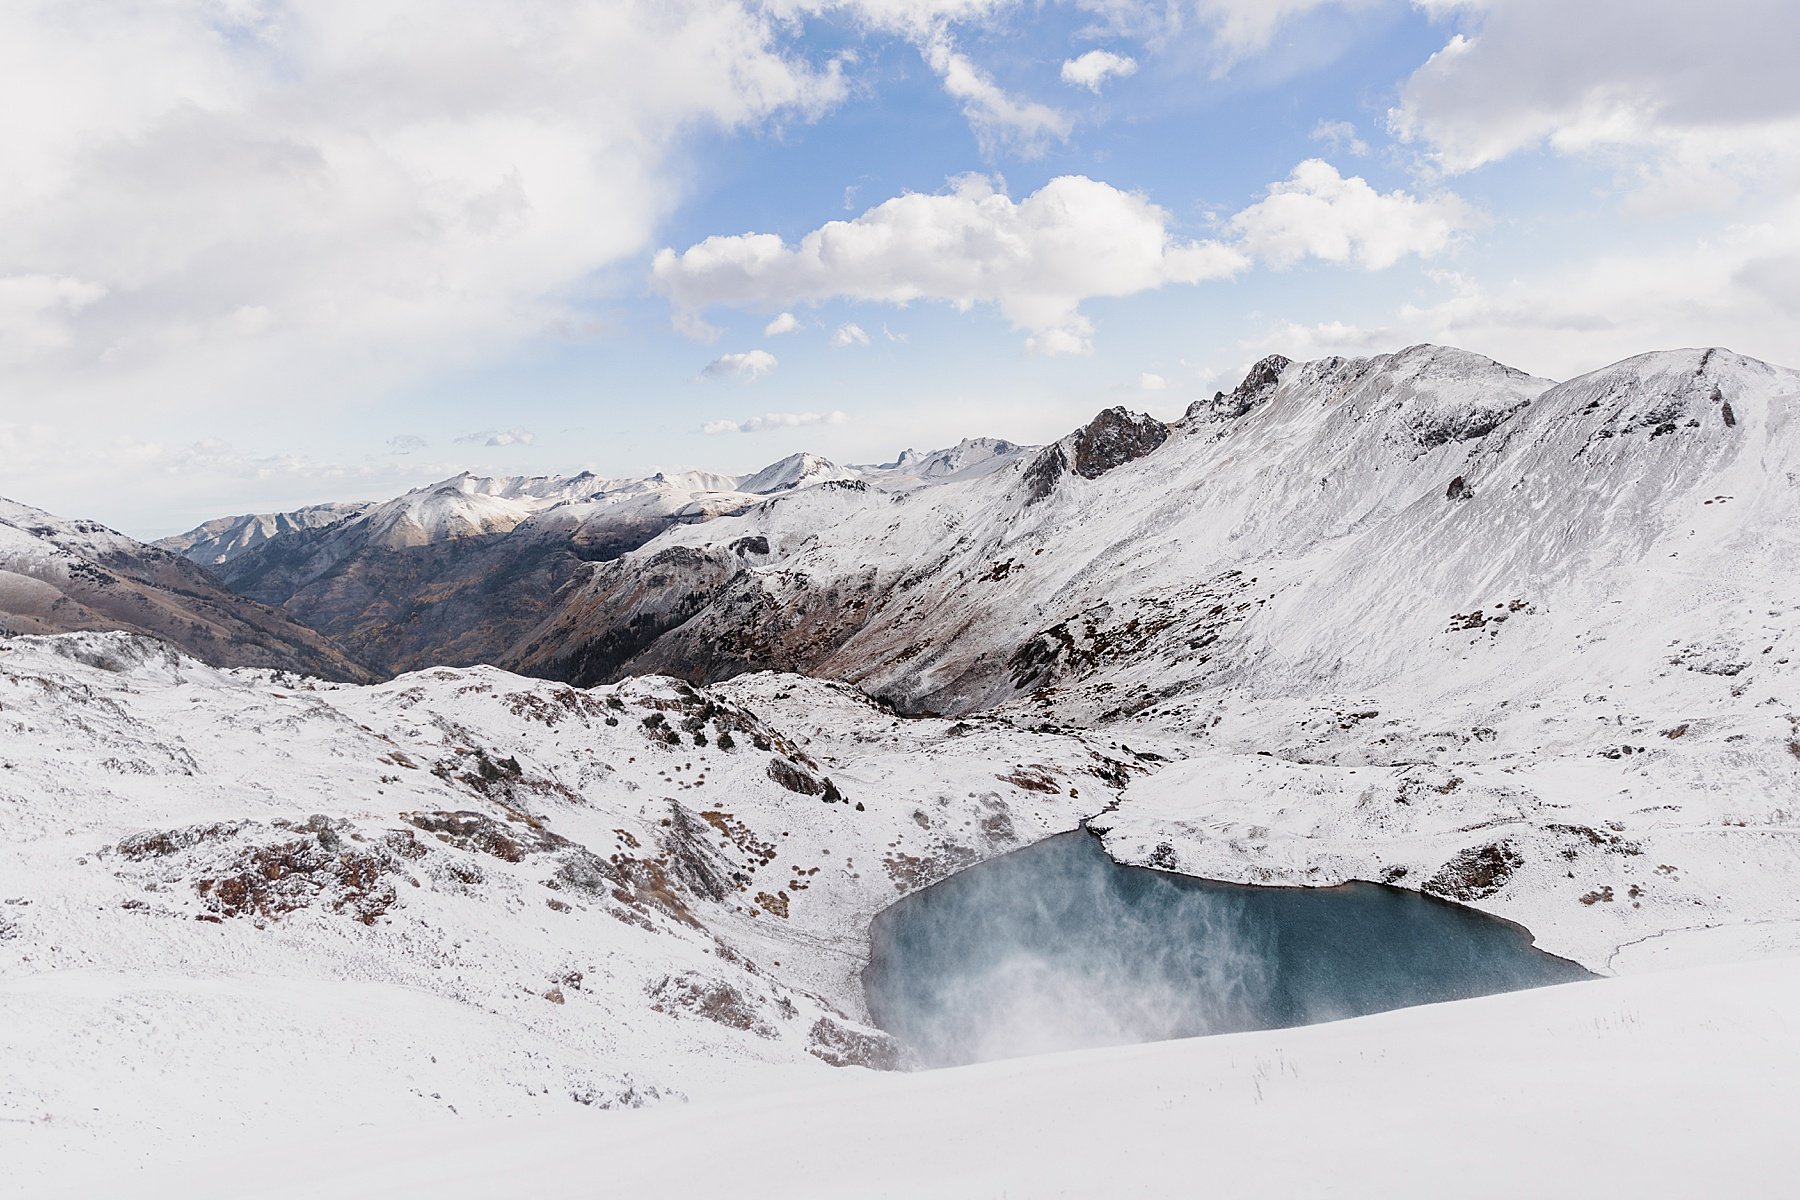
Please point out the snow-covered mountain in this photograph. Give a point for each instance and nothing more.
(794, 471)
(1345, 590)
(456, 571)
(1322, 506)
(60, 575)
(221, 540)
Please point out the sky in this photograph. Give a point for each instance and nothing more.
(256, 254)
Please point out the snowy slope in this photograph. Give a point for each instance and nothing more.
(568, 898)
(58, 575)
(1668, 1085)
(468, 891)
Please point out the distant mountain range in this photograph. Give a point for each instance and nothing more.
(456, 572)
(1345, 523)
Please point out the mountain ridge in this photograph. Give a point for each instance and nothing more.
(62, 576)
(455, 571)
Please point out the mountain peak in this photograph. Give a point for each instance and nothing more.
(792, 472)
(1113, 438)
(1262, 379)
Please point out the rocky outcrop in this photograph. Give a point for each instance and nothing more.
(1112, 439)
(1257, 386)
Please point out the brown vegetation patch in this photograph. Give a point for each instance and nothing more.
(911, 872)
(482, 834)
(1477, 872)
(713, 999)
(1033, 779)
(842, 1046)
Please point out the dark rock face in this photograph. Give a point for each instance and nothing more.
(1258, 385)
(1114, 438)
(459, 601)
(1438, 429)
(1044, 471)
(794, 778)
(1459, 490)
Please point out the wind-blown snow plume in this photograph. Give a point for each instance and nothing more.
(1039, 952)
(1055, 947)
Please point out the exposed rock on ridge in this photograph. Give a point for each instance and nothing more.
(1112, 439)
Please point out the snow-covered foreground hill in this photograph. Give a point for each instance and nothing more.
(1672, 1084)
(234, 901)
(235, 905)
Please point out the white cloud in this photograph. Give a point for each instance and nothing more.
(751, 364)
(1318, 213)
(405, 443)
(1023, 126)
(781, 420)
(37, 313)
(1737, 287)
(912, 18)
(279, 201)
(1149, 381)
(1241, 28)
(849, 334)
(1036, 259)
(784, 323)
(1340, 135)
(1703, 102)
(498, 437)
(1094, 68)
(1302, 342)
